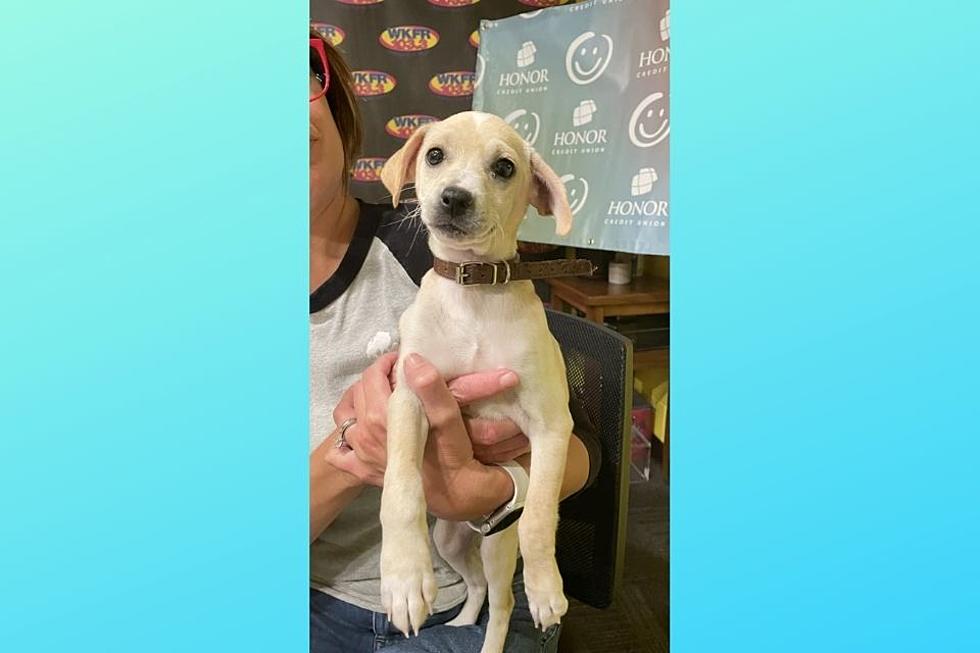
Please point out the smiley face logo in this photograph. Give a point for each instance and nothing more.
(588, 56)
(577, 190)
(650, 122)
(526, 123)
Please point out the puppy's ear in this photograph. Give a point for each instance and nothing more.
(399, 169)
(548, 194)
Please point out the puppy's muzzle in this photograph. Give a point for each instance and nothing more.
(455, 215)
(456, 202)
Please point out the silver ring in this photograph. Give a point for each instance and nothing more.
(342, 440)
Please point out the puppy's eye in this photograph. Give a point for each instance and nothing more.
(434, 156)
(503, 168)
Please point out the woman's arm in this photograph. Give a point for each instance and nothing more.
(331, 489)
(488, 487)
(502, 441)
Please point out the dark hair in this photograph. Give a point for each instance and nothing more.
(343, 104)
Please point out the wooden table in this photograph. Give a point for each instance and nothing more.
(599, 299)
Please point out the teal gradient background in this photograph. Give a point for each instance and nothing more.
(153, 392)
(825, 484)
(153, 327)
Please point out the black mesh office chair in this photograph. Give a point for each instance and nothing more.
(592, 528)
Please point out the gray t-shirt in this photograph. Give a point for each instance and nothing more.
(353, 320)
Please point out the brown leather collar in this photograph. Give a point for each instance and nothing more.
(475, 273)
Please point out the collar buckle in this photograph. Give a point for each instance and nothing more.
(463, 275)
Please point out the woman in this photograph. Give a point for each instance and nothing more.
(366, 262)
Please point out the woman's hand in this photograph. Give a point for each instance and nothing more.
(449, 464)
(365, 456)
(495, 441)
(457, 486)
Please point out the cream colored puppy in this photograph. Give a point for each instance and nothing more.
(474, 177)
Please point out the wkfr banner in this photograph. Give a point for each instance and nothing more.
(413, 64)
(588, 85)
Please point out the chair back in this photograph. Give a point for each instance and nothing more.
(592, 525)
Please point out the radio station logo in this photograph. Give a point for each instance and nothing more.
(373, 82)
(581, 139)
(577, 190)
(453, 84)
(405, 126)
(650, 122)
(360, 2)
(409, 38)
(453, 3)
(368, 169)
(588, 56)
(333, 34)
(475, 38)
(526, 123)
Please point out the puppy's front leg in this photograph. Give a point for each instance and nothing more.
(408, 587)
(539, 521)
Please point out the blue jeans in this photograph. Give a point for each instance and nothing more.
(339, 627)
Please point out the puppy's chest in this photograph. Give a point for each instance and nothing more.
(461, 338)
(467, 346)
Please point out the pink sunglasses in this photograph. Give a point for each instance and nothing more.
(319, 67)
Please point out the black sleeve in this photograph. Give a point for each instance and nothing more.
(406, 237)
(586, 431)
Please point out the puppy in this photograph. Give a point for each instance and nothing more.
(474, 177)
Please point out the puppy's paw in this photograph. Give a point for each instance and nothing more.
(408, 586)
(545, 598)
(462, 620)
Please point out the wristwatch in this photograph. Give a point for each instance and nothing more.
(508, 513)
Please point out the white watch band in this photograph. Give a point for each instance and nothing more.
(521, 481)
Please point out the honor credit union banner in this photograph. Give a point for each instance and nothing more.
(588, 85)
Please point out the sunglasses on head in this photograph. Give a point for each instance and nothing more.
(319, 68)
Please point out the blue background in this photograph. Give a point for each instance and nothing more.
(825, 493)
(153, 384)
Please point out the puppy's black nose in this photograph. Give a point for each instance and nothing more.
(456, 200)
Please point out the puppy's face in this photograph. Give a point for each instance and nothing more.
(474, 177)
